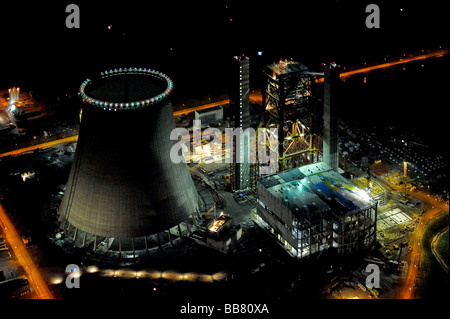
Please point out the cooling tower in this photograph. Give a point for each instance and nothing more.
(122, 183)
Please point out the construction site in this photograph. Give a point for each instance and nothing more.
(330, 199)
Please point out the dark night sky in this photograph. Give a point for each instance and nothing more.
(37, 45)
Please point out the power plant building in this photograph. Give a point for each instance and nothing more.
(124, 193)
(288, 104)
(313, 208)
(210, 116)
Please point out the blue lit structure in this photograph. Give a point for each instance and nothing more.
(313, 208)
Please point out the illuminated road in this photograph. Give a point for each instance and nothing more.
(384, 65)
(407, 292)
(415, 238)
(75, 137)
(201, 107)
(434, 245)
(40, 146)
(15, 242)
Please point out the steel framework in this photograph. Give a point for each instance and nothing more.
(288, 103)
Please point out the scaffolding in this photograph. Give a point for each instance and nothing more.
(289, 106)
(312, 209)
(312, 235)
(348, 234)
(357, 230)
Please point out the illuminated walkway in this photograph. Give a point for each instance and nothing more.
(15, 242)
(407, 292)
(170, 275)
(155, 274)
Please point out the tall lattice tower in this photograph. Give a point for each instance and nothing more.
(124, 192)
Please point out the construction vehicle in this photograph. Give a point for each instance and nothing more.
(374, 292)
(226, 179)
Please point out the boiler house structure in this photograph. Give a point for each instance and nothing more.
(313, 208)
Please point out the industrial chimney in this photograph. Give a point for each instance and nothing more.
(331, 115)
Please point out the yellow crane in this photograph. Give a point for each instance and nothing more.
(405, 153)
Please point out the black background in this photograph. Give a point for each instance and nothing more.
(38, 46)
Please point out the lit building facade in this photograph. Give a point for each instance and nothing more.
(313, 208)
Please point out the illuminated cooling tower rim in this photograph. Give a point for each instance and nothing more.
(133, 105)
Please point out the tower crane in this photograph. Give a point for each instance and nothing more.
(405, 158)
(405, 154)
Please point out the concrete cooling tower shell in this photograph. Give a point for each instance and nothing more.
(122, 183)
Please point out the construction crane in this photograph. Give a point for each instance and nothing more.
(405, 161)
(405, 154)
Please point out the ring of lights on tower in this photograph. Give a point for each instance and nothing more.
(132, 105)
